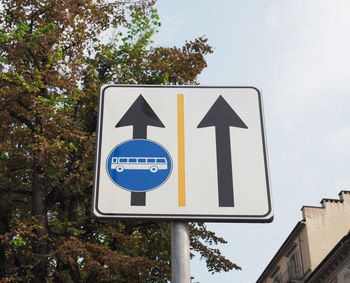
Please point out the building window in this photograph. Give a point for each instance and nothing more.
(294, 268)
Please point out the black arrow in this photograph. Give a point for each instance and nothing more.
(139, 115)
(222, 117)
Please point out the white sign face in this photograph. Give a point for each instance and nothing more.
(181, 153)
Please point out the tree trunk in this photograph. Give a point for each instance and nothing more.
(4, 227)
(40, 213)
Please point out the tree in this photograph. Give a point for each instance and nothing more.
(54, 55)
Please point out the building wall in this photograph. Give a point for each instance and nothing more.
(305, 251)
(326, 226)
(314, 237)
(299, 244)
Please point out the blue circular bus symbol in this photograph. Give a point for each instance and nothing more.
(139, 165)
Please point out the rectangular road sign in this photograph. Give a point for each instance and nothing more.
(181, 153)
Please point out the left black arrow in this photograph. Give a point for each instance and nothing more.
(140, 115)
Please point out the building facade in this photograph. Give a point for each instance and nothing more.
(310, 242)
(335, 268)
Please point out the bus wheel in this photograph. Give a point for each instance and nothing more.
(153, 169)
(119, 168)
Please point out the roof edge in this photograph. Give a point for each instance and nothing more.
(291, 235)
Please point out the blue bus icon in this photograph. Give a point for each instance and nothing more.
(139, 165)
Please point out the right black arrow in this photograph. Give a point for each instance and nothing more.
(222, 117)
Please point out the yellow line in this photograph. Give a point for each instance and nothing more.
(181, 149)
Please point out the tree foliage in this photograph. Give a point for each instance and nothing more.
(54, 55)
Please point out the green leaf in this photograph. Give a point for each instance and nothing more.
(17, 242)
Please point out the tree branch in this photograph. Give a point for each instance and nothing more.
(55, 192)
(22, 119)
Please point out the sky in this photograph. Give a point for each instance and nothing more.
(297, 52)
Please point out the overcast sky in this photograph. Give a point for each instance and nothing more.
(297, 52)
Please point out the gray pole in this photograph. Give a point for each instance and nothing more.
(180, 252)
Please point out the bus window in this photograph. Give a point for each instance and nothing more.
(114, 160)
(142, 160)
(151, 160)
(132, 160)
(123, 160)
(161, 160)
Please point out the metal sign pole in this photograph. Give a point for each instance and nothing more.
(180, 252)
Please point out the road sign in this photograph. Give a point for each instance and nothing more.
(181, 153)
